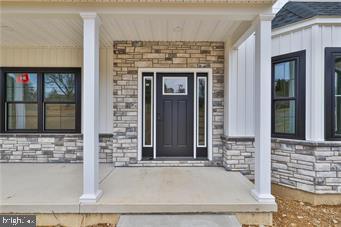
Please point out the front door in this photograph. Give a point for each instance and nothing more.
(174, 113)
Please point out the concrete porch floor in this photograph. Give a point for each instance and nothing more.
(56, 188)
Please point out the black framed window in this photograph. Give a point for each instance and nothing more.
(333, 93)
(288, 95)
(40, 100)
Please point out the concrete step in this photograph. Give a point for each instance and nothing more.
(198, 220)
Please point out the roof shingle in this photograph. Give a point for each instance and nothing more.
(293, 12)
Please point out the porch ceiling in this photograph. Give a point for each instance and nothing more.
(66, 30)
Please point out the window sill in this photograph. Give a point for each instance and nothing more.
(307, 142)
(12, 134)
(25, 134)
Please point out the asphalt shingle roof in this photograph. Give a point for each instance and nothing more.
(296, 11)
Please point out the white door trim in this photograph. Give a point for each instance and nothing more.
(209, 110)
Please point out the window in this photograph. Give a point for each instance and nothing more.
(22, 100)
(40, 100)
(288, 95)
(201, 114)
(148, 111)
(174, 86)
(148, 114)
(201, 110)
(333, 93)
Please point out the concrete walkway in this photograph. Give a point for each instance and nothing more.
(178, 221)
(48, 188)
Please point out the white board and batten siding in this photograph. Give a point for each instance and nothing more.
(241, 90)
(314, 39)
(67, 57)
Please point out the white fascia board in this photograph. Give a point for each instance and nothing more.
(236, 12)
(240, 37)
(306, 23)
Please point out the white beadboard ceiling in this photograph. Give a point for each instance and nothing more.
(66, 30)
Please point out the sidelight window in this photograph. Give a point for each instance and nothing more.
(148, 111)
(201, 111)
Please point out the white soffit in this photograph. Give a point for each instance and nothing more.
(66, 30)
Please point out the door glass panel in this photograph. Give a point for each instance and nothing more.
(22, 116)
(201, 110)
(59, 87)
(338, 95)
(21, 87)
(148, 110)
(60, 116)
(285, 116)
(284, 84)
(175, 85)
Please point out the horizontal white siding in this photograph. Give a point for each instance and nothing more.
(41, 57)
(313, 39)
(66, 57)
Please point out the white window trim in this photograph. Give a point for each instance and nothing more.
(197, 112)
(152, 112)
(172, 78)
(209, 105)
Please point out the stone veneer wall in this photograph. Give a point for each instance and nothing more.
(239, 155)
(309, 166)
(50, 148)
(131, 55)
(304, 165)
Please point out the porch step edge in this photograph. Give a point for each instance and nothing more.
(178, 221)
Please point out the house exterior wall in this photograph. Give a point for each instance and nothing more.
(58, 147)
(241, 90)
(308, 166)
(118, 87)
(313, 39)
(131, 55)
(311, 165)
(50, 148)
(239, 155)
(66, 57)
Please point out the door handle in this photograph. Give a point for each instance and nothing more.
(158, 116)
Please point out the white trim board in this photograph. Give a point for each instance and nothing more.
(209, 110)
(306, 23)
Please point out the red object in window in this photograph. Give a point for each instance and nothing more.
(24, 78)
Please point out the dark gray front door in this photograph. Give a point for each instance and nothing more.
(174, 126)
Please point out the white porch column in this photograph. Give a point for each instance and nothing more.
(262, 190)
(226, 87)
(91, 192)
